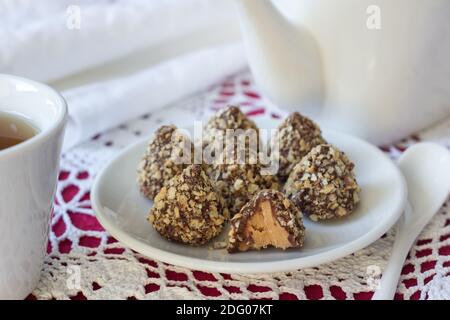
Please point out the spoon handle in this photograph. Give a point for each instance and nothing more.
(405, 237)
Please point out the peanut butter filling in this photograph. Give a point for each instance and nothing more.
(265, 230)
(268, 220)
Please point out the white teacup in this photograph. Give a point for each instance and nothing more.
(28, 176)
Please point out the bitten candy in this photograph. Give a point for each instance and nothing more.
(158, 164)
(268, 220)
(187, 209)
(297, 136)
(323, 185)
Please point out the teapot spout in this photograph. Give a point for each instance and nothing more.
(284, 58)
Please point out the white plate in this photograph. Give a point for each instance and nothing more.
(122, 211)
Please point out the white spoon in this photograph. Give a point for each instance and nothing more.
(426, 168)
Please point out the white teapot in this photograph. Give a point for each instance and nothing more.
(379, 69)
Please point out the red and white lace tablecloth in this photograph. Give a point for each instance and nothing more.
(85, 262)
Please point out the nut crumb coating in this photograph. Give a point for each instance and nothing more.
(297, 136)
(238, 183)
(269, 219)
(157, 166)
(323, 184)
(229, 118)
(235, 179)
(187, 209)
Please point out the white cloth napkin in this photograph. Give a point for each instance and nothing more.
(100, 106)
(49, 40)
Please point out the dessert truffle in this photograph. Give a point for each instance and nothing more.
(230, 131)
(236, 173)
(268, 220)
(323, 184)
(187, 209)
(161, 160)
(297, 136)
(229, 118)
(239, 182)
